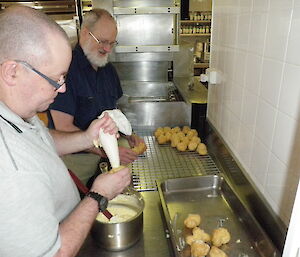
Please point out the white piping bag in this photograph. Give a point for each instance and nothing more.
(109, 142)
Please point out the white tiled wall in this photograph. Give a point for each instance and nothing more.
(256, 107)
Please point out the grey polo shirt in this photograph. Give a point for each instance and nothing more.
(36, 191)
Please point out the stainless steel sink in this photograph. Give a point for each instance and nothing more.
(154, 104)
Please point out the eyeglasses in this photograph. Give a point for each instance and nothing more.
(103, 42)
(56, 85)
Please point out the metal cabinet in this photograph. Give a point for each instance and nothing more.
(64, 12)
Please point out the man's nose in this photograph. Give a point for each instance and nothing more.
(107, 48)
(62, 89)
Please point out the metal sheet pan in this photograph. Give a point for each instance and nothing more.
(212, 198)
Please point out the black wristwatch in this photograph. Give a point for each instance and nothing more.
(102, 201)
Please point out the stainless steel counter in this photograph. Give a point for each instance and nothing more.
(158, 163)
(161, 162)
(153, 243)
(191, 89)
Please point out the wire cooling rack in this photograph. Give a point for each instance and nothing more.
(161, 162)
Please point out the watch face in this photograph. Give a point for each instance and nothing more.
(103, 203)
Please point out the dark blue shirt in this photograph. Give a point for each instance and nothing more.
(89, 92)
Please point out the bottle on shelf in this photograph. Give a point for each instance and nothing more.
(195, 29)
(206, 51)
(199, 16)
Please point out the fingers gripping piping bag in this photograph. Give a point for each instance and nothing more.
(109, 142)
(129, 195)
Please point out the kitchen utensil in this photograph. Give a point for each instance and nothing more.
(121, 235)
(109, 142)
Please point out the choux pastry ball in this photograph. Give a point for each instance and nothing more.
(180, 134)
(166, 129)
(201, 149)
(181, 146)
(168, 135)
(200, 234)
(220, 236)
(162, 139)
(185, 129)
(139, 149)
(194, 131)
(158, 132)
(192, 220)
(191, 133)
(189, 239)
(192, 146)
(199, 249)
(216, 252)
(196, 139)
(173, 136)
(185, 140)
(175, 130)
(174, 141)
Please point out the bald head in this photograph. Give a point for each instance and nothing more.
(25, 34)
(92, 17)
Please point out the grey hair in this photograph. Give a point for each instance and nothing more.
(24, 34)
(91, 17)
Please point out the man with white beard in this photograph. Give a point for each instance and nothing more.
(93, 86)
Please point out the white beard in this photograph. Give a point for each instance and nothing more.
(93, 58)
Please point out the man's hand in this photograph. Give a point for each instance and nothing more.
(134, 140)
(127, 155)
(110, 185)
(106, 123)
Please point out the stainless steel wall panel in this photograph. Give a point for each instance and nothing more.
(139, 88)
(157, 114)
(146, 10)
(156, 29)
(142, 3)
(70, 27)
(146, 49)
(142, 71)
(141, 57)
(104, 4)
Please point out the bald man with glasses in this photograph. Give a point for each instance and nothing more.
(41, 212)
(93, 86)
(56, 84)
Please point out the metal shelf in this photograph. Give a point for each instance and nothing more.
(56, 7)
(193, 22)
(146, 48)
(196, 35)
(201, 65)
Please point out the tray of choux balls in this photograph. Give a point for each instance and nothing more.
(202, 243)
(183, 139)
(205, 217)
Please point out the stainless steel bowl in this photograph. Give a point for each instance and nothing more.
(122, 235)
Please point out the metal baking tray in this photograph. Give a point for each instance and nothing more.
(213, 198)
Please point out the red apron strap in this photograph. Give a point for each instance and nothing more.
(83, 189)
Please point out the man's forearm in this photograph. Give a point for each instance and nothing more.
(75, 228)
(70, 142)
(98, 151)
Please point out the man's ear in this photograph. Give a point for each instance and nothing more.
(84, 32)
(8, 71)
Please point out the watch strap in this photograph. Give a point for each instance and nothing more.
(101, 200)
